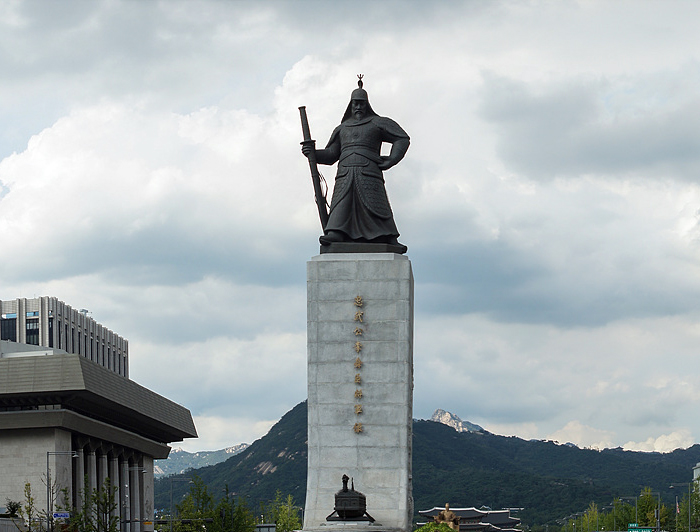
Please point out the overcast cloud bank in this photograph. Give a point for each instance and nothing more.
(150, 172)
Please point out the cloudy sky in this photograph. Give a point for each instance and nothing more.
(150, 172)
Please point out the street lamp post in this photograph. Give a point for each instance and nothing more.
(186, 479)
(613, 508)
(658, 510)
(690, 499)
(227, 495)
(49, 498)
(636, 518)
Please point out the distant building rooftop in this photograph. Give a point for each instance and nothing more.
(475, 520)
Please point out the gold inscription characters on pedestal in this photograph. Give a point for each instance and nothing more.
(357, 347)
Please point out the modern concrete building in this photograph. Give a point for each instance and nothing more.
(73, 416)
(48, 322)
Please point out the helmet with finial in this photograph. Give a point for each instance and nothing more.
(358, 94)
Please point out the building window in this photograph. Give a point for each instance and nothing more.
(51, 332)
(8, 329)
(33, 331)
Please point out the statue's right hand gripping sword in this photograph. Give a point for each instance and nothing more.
(313, 166)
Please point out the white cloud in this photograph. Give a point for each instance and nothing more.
(218, 432)
(150, 171)
(665, 443)
(531, 380)
(583, 436)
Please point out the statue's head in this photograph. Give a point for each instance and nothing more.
(359, 106)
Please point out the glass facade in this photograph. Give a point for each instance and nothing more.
(33, 331)
(8, 329)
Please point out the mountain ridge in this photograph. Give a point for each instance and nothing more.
(179, 460)
(547, 479)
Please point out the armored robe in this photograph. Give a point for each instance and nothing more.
(360, 207)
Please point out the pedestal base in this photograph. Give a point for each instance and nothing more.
(360, 385)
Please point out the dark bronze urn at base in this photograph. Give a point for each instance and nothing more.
(350, 505)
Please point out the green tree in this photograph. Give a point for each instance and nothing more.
(589, 519)
(199, 508)
(195, 508)
(682, 515)
(648, 506)
(434, 527)
(99, 509)
(283, 512)
(243, 518)
(232, 516)
(625, 513)
(615, 517)
(28, 512)
(13, 507)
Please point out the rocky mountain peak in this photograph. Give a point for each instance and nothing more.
(451, 420)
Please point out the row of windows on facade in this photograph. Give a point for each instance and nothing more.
(86, 347)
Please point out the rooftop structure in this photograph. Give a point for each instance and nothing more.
(477, 520)
(48, 322)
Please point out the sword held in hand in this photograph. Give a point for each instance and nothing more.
(313, 166)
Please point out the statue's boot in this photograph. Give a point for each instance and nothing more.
(330, 237)
(394, 241)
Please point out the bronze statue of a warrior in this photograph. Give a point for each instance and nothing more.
(360, 211)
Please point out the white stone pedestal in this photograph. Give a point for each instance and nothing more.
(360, 386)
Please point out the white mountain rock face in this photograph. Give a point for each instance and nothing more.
(451, 420)
(180, 460)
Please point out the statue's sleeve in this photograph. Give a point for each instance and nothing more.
(335, 137)
(391, 130)
(393, 133)
(331, 153)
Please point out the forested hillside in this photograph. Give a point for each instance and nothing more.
(549, 481)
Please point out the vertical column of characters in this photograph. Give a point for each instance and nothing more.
(358, 346)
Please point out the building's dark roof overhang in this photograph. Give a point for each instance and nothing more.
(87, 388)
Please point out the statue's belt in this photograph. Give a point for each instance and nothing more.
(365, 153)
